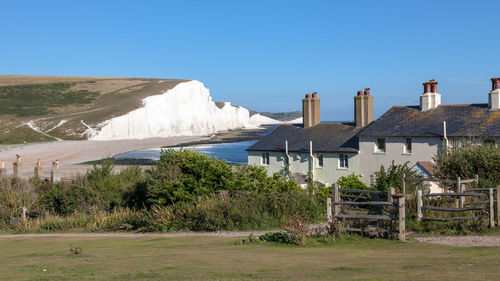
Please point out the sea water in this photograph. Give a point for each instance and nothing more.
(232, 152)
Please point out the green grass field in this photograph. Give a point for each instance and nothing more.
(221, 258)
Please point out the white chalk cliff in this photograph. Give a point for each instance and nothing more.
(185, 110)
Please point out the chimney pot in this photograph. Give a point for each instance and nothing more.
(495, 83)
(308, 96)
(360, 93)
(433, 85)
(18, 158)
(315, 95)
(367, 91)
(427, 87)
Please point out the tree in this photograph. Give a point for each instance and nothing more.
(393, 177)
(468, 161)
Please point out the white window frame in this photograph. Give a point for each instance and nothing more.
(377, 145)
(405, 146)
(343, 161)
(264, 160)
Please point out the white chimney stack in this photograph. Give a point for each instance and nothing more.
(494, 95)
(430, 99)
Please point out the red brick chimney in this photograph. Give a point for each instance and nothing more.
(430, 99)
(495, 83)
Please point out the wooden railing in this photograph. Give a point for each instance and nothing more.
(478, 193)
(364, 200)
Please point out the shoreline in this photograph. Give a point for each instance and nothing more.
(77, 156)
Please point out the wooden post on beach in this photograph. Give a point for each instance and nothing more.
(3, 170)
(17, 167)
(38, 169)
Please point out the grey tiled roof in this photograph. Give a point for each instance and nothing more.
(326, 137)
(462, 120)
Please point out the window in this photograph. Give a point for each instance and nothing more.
(320, 160)
(265, 158)
(380, 145)
(407, 145)
(343, 161)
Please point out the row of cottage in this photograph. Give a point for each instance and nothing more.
(403, 134)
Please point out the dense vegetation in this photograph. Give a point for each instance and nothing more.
(468, 161)
(185, 190)
(38, 99)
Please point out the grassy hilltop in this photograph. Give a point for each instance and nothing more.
(45, 108)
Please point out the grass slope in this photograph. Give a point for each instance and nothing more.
(202, 258)
(62, 107)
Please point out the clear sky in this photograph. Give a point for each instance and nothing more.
(265, 55)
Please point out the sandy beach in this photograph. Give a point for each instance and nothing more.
(71, 153)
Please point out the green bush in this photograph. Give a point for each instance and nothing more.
(186, 175)
(393, 177)
(468, 161)
(352, 181)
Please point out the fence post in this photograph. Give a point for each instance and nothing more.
(498, 205)
(462, 198)
(492, 214)
(419, 205)
(403, 187)
(402, 221)
(23, 214)
(336, 199)
(393, 191)
(329, 209)
(457, 201)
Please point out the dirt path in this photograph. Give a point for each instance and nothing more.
(139, 235)
(464, 241)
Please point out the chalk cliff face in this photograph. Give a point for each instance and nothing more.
(185, 110)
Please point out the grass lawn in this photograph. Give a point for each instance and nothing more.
(221, 258)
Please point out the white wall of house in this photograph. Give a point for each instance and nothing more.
(301, 163)
(422, 149)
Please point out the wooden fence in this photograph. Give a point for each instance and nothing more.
(357, 202)
(486, 202)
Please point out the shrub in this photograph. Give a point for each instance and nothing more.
(352, 181)
(469, 161)
(186, 175)
(393, 177)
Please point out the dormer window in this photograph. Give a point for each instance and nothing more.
(380, 145)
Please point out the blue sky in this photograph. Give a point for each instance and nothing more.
(265, 55)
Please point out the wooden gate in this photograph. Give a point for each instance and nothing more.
(368, 205)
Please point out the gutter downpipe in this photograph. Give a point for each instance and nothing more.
(445, 136)
(312, 158)
(286, 153)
